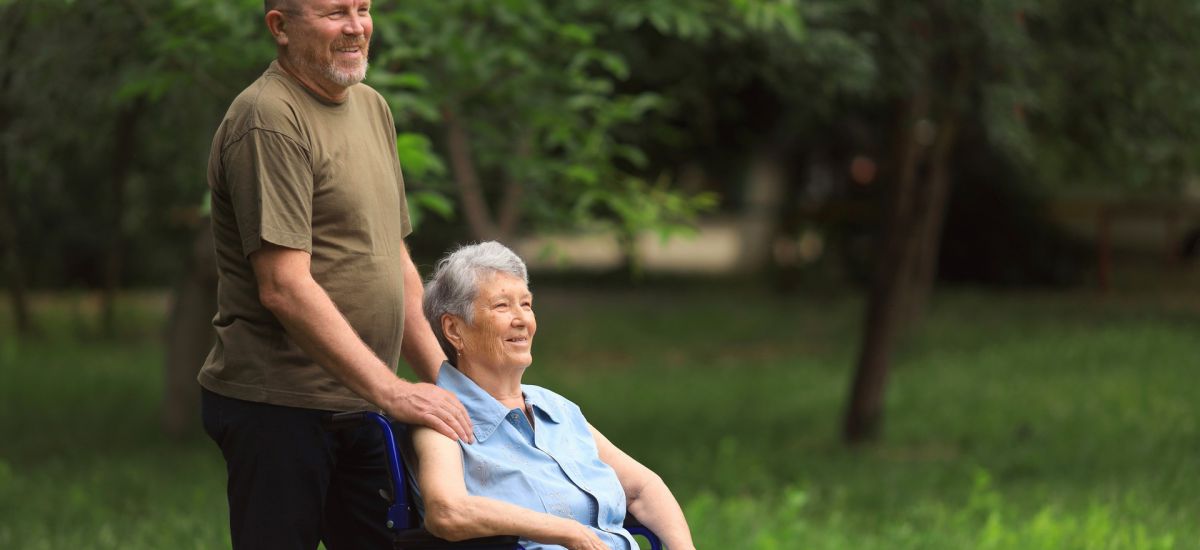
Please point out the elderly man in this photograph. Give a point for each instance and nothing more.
(318, 297)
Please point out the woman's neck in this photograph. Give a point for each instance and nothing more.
(505, 386)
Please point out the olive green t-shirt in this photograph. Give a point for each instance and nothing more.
(297, 171)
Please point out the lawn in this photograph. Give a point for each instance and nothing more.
(1014, 420)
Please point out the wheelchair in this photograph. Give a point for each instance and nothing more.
(402, 517)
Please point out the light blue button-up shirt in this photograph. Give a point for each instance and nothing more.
(555, 468)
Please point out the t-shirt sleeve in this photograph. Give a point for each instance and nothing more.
(405, 225)
(270, 183)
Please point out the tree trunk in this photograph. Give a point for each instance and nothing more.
(190, 335)
(14, 268)
(484, 226)
(940, 183)
(909, 250)
(930, 222)
(885, 302)
(864, 412)
(470, 191)
(907, 268)
(514, 191)
(124, 146)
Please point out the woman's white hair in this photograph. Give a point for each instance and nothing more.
(454, 285)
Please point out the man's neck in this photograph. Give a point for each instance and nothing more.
(332, 94)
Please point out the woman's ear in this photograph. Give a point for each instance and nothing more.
(276, 23)
(451, 327)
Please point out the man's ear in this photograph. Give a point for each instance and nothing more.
(452, 329)
(276, 23)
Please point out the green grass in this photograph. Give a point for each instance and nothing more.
(1014, 421)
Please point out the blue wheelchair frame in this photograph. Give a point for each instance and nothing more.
(402, 517)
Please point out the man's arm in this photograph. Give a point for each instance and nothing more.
(649, 499)
(452, 514)
(420, 347)
(287, 289)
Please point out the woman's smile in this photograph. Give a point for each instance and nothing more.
(501, 334)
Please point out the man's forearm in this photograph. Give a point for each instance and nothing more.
(310, 317)
(419, 347)
(313, 321)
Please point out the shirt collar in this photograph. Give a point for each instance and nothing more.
(542, 404)
(487, 412)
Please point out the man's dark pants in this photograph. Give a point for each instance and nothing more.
(291, 483)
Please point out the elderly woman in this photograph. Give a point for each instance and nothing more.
(537, 469)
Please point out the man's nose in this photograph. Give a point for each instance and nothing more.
(356, 25)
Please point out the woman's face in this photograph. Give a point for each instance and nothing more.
(502, 334)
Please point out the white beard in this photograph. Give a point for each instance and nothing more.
(346, 77)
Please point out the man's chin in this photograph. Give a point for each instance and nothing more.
(347, 77)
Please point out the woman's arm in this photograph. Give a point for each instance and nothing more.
(452, 514)
(649, 499)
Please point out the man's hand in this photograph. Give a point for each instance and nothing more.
(433, 407)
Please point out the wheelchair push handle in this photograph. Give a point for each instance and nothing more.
(345, 420)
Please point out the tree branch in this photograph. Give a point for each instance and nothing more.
(514, 189)
(462, 165)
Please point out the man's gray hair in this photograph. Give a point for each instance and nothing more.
(454, 284)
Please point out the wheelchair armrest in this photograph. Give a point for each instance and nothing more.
(636, 528)
(420, 539)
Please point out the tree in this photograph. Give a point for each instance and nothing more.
(1115, 106)
(524, 98)
(106, 112)
(14, 18)
(1094, 107)
(95, 97)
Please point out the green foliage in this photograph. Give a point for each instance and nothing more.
(422, 164)
(536, 90)
(638, 208)
(1089, 94)
(538, 85)
(593, 107)
(1114, 105)
(1017, 421)
(76, 69)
